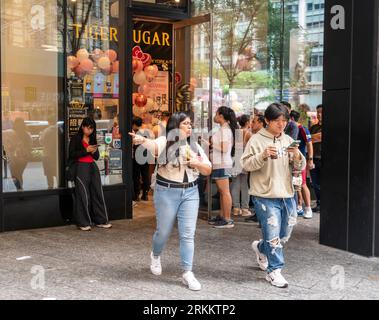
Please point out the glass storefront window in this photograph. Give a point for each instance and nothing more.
(304, 32)
(180, 4)
(243, 66)
(263, 54)
(30, 47)
(93, 78)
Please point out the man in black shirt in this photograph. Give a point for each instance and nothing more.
(315, 131)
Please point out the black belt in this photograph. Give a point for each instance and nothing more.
(177, 185)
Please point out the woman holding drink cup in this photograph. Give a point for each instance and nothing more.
(176, 196)
(271, 157)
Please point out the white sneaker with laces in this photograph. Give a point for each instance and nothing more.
(276, 279)
(308, 214)
(190, 281)
(155, 266)
(261, 258)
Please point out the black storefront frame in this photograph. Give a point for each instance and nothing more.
(62, 196)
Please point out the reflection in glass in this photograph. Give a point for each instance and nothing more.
(93, 78)
(30, 45)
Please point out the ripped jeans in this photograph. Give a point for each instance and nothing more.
(277, 217)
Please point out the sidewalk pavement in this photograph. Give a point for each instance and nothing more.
(64, 263)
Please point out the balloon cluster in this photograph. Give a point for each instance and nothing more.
(83, 62)
(144, 73)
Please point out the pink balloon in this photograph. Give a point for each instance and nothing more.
(137, 65)
(86, 65)
(104, 63)
(97, 54)
(79, 71)
(82, 54)
(115, 67)
(141, 100)
(134, 96)
(107, 71)
(72, 62)
(151, 70)
(111, 54)
(144, 89)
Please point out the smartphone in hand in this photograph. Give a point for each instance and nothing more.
(294, 144)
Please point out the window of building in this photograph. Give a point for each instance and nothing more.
(31, 128)
(93, 79)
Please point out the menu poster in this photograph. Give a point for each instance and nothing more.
(76, 113)
(159, 90)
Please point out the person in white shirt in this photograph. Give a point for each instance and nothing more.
(176, 195)
(223, 149)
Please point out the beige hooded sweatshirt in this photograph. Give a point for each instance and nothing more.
(270, 178)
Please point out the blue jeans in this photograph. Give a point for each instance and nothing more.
(278, 217)
(183, 204)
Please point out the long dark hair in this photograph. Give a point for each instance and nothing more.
(172, 135)
(231, 118)
(88, 122)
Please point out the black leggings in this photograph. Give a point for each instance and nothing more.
(90, 205)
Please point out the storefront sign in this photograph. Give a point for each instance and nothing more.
(76, 113)
(115, 159)
(147, 37)
(108, 138)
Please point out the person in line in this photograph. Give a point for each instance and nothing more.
(306, 148)
(316, 134)
(271, 158)
(223, 149)
(257, 124)
(18, 146)
(176, 194)
(140, 171)
(90, 208)
(240, 192)
(292, 129)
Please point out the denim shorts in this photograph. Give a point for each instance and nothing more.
(218, 174)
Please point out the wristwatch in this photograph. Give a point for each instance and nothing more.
(310, 158)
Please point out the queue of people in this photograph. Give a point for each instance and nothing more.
(254, 158)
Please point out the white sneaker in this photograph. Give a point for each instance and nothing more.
(190, 281)
(155, 266)
(308, 214)
(261, 258)
(276, 279)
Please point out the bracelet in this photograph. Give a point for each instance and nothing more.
(310, 158)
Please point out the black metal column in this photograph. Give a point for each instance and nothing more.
(350, 128)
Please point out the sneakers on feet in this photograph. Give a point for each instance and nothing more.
(261, 258)
(236, 212)
(300, 211)
(213, 220)
(224, 224)
(190, 281)
(246, 213)
(104, 226)
(308, 214)
(88, 228)
(276, 279)
(155, 266)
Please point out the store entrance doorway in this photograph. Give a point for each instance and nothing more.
(178, 78)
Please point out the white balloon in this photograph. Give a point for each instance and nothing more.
(139, 78)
